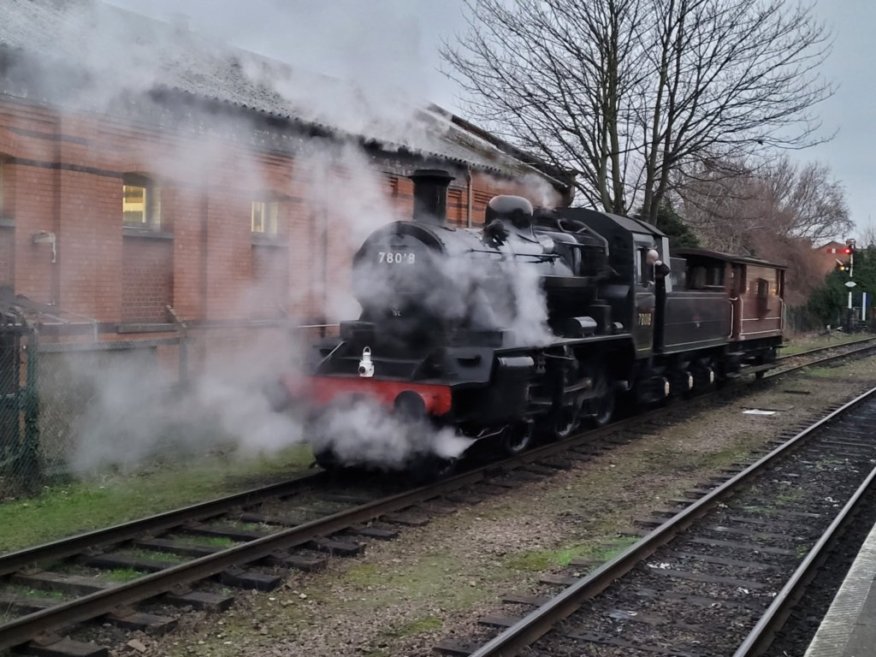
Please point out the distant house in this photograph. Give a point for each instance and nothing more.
(830, 255)
(162, 185)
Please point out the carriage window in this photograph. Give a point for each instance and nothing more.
(763, 287)
(715, 276)
(762, 281)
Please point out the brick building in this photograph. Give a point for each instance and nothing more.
(831, 255)
(193, 204)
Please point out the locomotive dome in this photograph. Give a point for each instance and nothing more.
(515, 209)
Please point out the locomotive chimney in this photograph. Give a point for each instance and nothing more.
(430, 195)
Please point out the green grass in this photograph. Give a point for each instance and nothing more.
(805, 343)
(123, 574)
(417, 626)
(152, 555)
(822, 372)
(30, 592)
(205, 541)
(426, 580)
(542, 560)
(69, 509)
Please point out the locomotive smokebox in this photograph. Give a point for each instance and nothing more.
(430, 195)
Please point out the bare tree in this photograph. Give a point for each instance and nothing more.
(625, 92)
(778, 200)
(778, 212)
(867, 235)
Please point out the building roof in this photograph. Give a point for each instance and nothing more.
(90, 55)
(727, 257)
(831, 244)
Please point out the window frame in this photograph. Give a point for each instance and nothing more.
(270, 214)
(151, 202)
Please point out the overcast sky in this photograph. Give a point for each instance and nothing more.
(394, 43)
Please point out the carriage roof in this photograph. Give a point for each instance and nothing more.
(727, 257)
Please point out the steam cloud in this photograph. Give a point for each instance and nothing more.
(134, 412)
(364, 434)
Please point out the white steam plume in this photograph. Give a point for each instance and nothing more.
(365, 434)
(136, 414)
(117, 57)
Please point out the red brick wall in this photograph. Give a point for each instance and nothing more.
(185, 208)
(66, 177)
(147, 279)
(7, 247)
(270, 274)
(228, 255)
(90, 245)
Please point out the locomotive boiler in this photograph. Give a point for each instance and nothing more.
(533, 325)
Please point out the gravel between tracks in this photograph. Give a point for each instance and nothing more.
(405, 595)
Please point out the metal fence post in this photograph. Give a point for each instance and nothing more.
(30, 465)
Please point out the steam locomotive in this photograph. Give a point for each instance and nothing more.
(538, 323)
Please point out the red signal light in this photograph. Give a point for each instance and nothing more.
(847, 251)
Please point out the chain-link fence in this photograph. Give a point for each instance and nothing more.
(799, 319)
(20, 463)
(65, 405)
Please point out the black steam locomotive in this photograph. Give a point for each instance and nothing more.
(539, 322)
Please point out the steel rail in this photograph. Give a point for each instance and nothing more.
(774, 617)
(773, 370)
(20, 630)
(541, 620)
(816, 350)
(65, 547)
(96, 604)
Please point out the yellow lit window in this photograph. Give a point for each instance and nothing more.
(265, 217)
(141, 203)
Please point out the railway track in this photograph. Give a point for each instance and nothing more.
(188, 556)
(851, 344)
(719, 576)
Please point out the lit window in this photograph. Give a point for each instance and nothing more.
(141, 203)
(265, 217)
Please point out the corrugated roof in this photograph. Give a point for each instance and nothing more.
(91, 53)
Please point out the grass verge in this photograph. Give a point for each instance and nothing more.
(64, 510)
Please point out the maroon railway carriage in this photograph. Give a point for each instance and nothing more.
(755, 289)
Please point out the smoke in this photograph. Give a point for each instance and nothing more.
(89, 56)
(529, 315)
(365, 434)
(96, 57)
(535, 188)
(137, 413)
(474, 285)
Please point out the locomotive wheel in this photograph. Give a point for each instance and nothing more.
(600, 408)
(567, 422)
(603, 408)
(516, 439)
